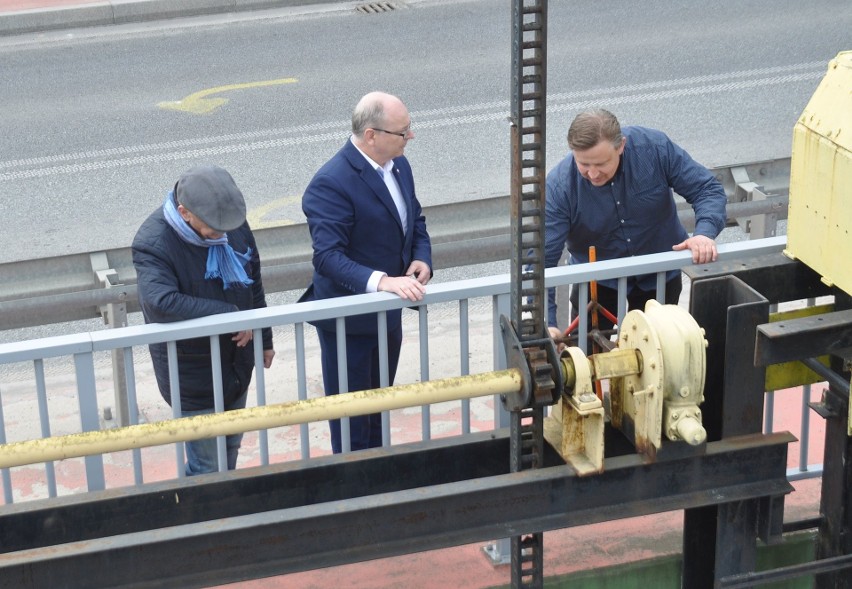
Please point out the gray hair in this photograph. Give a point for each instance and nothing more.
(593, 126)
(368, 114)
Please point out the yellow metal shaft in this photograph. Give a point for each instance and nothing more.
(612, 364)
(615, 363)
(259, 418)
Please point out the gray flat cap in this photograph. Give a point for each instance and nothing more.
(211, 194)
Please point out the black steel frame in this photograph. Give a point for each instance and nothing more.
(285, 518)
(750, 344)
(260, 522)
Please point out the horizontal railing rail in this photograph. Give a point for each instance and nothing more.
(361, 304)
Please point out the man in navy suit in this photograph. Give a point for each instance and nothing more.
(369, 235)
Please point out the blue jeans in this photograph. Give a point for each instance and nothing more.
(201, 455)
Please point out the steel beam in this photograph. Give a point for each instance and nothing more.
(253, 523)
(805, 337)
(774, 276)
(241, 492)
(835, 530)
(729, 311)
(721, 540)
(778, 279)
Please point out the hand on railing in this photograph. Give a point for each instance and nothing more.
(702, 247)
(406, 287)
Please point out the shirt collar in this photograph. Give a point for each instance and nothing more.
(388, 167)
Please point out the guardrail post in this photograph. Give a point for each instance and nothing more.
(758, 226)
(765, 225)
(114, 315)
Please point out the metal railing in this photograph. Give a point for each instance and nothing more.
(451, 304)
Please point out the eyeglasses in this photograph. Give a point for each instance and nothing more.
(403, 134)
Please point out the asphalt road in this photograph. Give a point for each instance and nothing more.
(90, 141)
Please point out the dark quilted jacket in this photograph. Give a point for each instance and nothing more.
(172, 287)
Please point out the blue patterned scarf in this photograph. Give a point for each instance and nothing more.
(222, 261)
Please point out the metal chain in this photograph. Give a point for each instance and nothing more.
(529, 34)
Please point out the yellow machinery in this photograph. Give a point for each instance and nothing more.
(656, 379)
(820, 217)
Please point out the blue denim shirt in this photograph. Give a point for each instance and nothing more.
(633, 214)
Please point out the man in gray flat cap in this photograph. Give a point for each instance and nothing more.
(196, 256)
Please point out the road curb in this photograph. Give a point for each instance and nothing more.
(128, 11)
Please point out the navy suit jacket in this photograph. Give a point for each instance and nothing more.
(356, 230)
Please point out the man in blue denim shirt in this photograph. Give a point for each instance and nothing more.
(614, 192)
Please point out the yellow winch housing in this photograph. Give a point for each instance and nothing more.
(820, 210)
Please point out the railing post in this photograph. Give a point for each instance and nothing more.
(84, 367)
(499, 551)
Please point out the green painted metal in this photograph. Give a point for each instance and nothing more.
(664, 572)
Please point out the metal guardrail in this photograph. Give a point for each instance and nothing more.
(102, 284)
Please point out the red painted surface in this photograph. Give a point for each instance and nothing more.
(16, 5)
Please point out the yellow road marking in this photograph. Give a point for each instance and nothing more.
(199, 104)
(256, 216)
